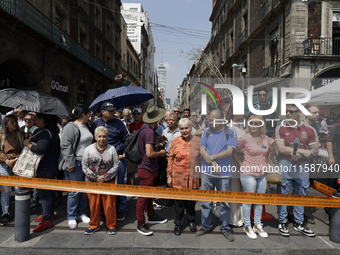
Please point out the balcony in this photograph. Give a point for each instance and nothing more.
(272, 70)
(31, 17)
(321, 46)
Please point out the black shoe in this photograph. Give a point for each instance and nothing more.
(90, 231)
(121, 216)
(193, 227)
(302, 228)
(144, 230)
(34, 204)
(157, 220)
(177, 231)
(170, 203)
(5, 219)
(283, 229)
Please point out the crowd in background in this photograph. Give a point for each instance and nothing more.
(90, 147)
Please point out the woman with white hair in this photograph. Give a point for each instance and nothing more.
(100, 164)
(183, 157)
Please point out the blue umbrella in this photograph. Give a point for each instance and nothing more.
(122, 97)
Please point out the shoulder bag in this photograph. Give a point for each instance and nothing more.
(28, 161)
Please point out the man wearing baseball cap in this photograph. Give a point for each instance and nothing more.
(117, 135)
(135, 125)
(147, 168)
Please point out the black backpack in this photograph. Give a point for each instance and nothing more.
(131, 148)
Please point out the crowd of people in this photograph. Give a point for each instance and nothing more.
(174, 144)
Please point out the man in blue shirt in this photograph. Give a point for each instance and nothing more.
(117, 135)
(216, 147)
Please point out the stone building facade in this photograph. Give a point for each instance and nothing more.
(290, 43)
(69, 49)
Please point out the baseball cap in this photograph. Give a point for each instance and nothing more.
(108, 106)
(137, 109)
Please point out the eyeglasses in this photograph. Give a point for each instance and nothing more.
(262, 95)
(136, 113)
(251, 123)
(28, 120)
(176, 111)
(291, 111)
(194, 115)
(126, 115)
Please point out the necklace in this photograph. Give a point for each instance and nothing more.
(100, 150)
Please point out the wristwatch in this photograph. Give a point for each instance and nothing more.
(211, 158)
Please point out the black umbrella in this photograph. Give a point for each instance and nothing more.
(33, 101)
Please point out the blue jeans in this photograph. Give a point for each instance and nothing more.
(222, 184)
(254, 184)
(121, 200)
(5, 190)
(77, 203)
(47, 197)
(298, 177)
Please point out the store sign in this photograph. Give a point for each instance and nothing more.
(58, 87)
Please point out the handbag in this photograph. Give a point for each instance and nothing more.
(273, 177)
(28, 161)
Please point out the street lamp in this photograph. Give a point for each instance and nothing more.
(243, 72)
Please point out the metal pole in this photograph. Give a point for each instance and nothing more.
(22, 215)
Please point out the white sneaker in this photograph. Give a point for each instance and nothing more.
(72, 224)
(250, 233)
(259, 230)
(85, 219)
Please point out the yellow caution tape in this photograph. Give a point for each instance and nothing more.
(170, 193)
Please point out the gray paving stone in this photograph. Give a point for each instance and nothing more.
(55, 239)
(120, 240)
(157, 240)
(185, 240)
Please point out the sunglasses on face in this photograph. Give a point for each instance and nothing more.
(136, 113)
(251, 123)
(262, 95)
(194, 115)
(291, 111)
(176, 111)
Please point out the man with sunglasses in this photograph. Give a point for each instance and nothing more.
(294, 165)
(177, 110)
(134, 126)
(29, 126)
(263, 104)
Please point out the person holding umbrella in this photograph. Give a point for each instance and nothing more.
(46, 142)
(117, 133)
(11, 139)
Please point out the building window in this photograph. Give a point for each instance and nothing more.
(59, 19)
(133, 9)
(82, 39)
(98, 52)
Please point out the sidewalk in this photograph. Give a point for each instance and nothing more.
(128, 241)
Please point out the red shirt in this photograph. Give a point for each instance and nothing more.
(305, 132)
(135, 126)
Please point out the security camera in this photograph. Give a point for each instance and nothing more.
(235, 66)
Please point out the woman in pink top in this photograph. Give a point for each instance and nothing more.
(256, 147)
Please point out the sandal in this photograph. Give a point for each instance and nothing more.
(5, 219)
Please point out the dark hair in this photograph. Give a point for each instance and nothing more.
(263, 89)
(186, 110)
(50, 119)
(79, 110)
